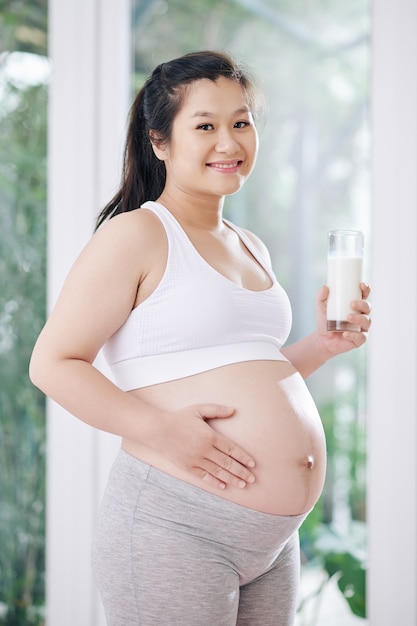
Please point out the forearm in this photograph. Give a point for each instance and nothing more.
(307, 354)
(183, 437)
(89, 395)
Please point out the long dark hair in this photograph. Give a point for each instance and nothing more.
(154, 109)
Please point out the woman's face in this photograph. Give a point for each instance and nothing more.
(214, 142)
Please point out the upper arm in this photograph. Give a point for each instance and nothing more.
(99, 291)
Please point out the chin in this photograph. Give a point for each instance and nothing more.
(233, 187)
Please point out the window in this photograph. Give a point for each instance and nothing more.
(312, 176)
(24, 74)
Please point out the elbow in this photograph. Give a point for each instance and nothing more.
(34, 371)
(38, 370)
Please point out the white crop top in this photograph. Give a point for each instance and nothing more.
(196, 319)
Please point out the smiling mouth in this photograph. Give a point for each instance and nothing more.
(225, 166)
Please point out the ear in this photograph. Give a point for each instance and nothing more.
(158, 146)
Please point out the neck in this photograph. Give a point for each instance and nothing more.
(197, 212)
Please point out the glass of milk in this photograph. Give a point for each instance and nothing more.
(344, 275)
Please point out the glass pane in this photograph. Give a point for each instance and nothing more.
(312, 57)
(24, 71)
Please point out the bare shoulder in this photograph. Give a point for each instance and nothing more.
(258, 243)
(132, 237)
(100, 289)
(120, 254)
(132, 227)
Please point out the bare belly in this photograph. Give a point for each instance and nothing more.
(275, 420)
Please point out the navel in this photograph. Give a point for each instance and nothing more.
(309, 462)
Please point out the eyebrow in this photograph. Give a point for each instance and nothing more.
(244, 109)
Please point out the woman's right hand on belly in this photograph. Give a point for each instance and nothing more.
(188, 441)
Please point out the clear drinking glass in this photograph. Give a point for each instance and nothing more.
(344, 275)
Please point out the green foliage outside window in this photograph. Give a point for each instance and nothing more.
(23, 106)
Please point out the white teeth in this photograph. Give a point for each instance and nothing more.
(225, 166)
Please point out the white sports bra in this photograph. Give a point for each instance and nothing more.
(196, 319)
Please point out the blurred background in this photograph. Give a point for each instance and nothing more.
(312, 58)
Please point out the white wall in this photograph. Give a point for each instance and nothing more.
(392, 446)
(90, 50)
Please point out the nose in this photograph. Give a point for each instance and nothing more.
(226, 142)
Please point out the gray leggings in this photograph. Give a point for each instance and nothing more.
(168, 553)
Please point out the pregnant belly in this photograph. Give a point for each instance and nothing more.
(275, 420)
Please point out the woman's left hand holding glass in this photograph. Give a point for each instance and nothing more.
(339, 342)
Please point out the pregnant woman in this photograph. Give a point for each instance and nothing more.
(223, 453)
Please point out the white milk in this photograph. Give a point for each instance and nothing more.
(344, 275)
